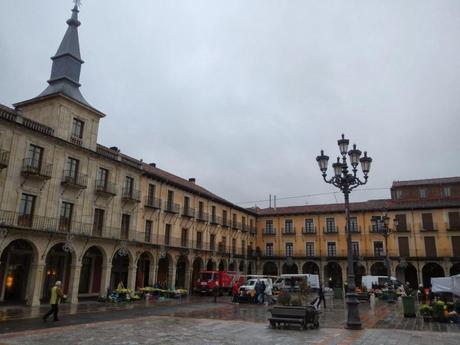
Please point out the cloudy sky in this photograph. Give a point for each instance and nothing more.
(243, 94)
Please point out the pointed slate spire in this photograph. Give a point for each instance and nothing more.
(65, 72)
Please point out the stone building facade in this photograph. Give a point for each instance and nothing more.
(88, 215)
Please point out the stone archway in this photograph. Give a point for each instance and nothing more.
(144, 273)
(232, 266)
(91, 272)
(407, 273)
(197, 266)
(431, 270)
(120, 268)
(210, 265)
(58, 265)
(15, 267)
(164, 271)
(310, 268)
(270, 269)
(333, 274)
(378, 269)
(222, 265)
(181, 273)
(241, 267)
(455, 269)
(249, 268)
(290, 269)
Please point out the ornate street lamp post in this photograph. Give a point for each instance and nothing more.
(381, 225)
(346, 181)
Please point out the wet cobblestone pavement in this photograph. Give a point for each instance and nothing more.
(198, 320)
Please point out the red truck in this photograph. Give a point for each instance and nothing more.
(208, 280)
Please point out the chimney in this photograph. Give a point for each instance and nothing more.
(153, 165)
(192, 179)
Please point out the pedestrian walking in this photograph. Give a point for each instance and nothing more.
(321, 296)
(235, 291)
(56, 296)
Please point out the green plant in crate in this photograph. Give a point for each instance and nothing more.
(426, 310)
(438, 310)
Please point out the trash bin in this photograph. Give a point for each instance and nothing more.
(338, 293)
(408, 306)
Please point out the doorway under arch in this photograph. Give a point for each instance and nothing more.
(91, 272)
(270, 269)
(58, 264)
(333, 274)
(290, 269)
(431, 270)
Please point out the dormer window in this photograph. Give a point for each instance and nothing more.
(77, 128)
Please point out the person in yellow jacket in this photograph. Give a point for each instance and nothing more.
(56, 295)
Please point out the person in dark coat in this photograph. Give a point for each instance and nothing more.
(321, 296)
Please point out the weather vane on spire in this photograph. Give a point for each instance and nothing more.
(77, 3)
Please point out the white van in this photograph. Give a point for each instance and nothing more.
(369, 281)
(291, 281)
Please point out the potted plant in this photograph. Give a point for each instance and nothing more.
(438, 311)
(426, 311)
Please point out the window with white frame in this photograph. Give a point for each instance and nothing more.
(331, 249)
(310, 248)
(269, 249)
(289, 249)
(355, 248)
(309, 226)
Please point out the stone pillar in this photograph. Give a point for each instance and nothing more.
(132, 273)
(74, 283)
(152, 273)
(34, 292)
(155, 270)
(105, 280)
(172, 278)
(420, 272)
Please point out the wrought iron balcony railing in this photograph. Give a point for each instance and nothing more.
(152, 202)
(225, 222)
(215, 220)
(331, 230)
(131, 195)
(269, 232)
(35, 168)
(309, 230)
(202, 216)
(74, 180)
(290, 230)
(188, 212)
(171, 207)
(105, 188)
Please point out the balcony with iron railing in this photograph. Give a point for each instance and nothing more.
(105, 188)
(269, 231)
(76, 140)
(454, 226)
(35, 168)
(223, 249)
(131, 195)
(331, 230)
(309, 230)
(236, 225)
(225, 222)
(4, 159)
(171, 207)
(244, 227)
(39, 223)
(428, 227)
(355, 229)
(202, 216)
(152, 202)
(252, 230)
(188, 212)
(215, 220)
(75, 180)
(289, 230)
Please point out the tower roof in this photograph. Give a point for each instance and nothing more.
(65, 72)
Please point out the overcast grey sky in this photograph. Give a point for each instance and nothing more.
(242, 95)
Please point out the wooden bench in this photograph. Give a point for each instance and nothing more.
(286, 315)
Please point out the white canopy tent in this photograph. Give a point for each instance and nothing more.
(446, 284)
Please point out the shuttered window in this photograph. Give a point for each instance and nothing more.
(427, 221)
(454, 220)
(430, 246)
(402, 223)
(403, 243)
(456, 246)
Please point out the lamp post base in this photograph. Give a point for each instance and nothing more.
(353, 320)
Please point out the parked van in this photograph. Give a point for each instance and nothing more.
(291, 281)
(369, 281)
